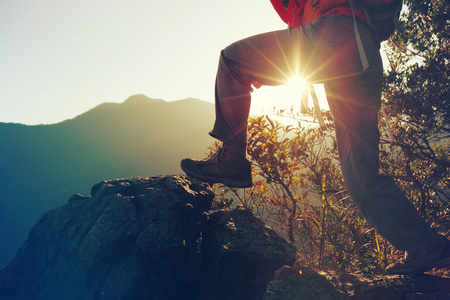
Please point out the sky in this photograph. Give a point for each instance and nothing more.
(61, 58)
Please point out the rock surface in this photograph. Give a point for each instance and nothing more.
(292, 283)
(379, 287)
(295, 283)
(145, 238)
(157, 239)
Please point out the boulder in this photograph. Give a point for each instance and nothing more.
(295, 283)
(145, 238)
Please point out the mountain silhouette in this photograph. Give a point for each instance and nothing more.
(42, 166)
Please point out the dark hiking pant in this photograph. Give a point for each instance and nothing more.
(326, 52)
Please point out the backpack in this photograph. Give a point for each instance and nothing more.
(384, 15)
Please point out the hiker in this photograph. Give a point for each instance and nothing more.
(320, 45)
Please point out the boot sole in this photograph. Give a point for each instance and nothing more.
(226, 181)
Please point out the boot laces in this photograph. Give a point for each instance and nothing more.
(215, 159)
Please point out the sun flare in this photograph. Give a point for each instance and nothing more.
(297, 84)
(273, 99)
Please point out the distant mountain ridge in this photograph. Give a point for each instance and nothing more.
(42, 165)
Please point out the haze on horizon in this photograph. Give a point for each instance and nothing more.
(62, 58)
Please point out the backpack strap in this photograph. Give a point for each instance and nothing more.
(362, 53)
(304, 105)
(319, 115)
(304, 101)
(388, 126)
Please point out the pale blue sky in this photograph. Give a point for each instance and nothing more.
(60, 58)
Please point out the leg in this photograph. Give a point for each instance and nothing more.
(321, 51)
(267, 59)
(324, 50)
(354, 103)
(258, 60)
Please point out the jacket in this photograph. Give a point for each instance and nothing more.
(301, 12)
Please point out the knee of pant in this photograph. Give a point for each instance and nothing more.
(222, 58)
(379, 194)
(362, 202)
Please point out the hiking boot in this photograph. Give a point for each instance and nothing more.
(226, 166)
(438, 258)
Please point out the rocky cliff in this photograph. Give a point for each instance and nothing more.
(145, 238)
(157, 239)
